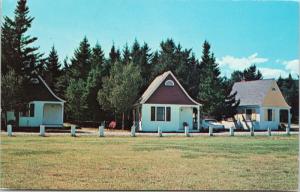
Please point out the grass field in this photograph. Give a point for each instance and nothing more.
(61, 162)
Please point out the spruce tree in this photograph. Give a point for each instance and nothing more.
(94, 83)
(230, 103)
(210, 87)
(237, 76)
(143, 59)
(18, 56)
(126, 55)
(135, 52)
(25, 55)
(252, 73)
(7, 46)
(114, 55)
(81, 62)
(52, 68)
(97, 58)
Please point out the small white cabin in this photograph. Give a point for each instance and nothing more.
(44, 108)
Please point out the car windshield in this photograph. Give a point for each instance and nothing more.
(211, 121)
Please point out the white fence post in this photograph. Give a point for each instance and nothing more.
(252, 131)
(159, 131)
(73, 131)
(186, 131)
(9, 130)
(210, 130)
(288, 130)
(133, 130)
(101, 131)
(269, 131)
(231, 131)
(42, 130)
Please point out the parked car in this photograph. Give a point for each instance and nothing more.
(212, 123)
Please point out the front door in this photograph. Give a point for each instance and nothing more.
(185, 116)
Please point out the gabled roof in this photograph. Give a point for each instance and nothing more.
(156, 83)
(252, 92)
(40, 91)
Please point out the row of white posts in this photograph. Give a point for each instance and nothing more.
(132, 133)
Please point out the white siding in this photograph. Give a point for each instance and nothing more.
(35, 121)
(177, 118)
(275, 121)
(261, 123)
(55, 117)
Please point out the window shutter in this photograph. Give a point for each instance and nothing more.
(31, 110)
(168, 118)
(152, 113)
(273, 114)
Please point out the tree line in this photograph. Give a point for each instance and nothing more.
(98, 88)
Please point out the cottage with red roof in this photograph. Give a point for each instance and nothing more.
(167, 105)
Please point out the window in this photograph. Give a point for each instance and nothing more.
(152, 113)
(160, 113)
(168, 113)
(248, 114)
(31, 110)
(273, 89)
(169, 83)
(270, 114)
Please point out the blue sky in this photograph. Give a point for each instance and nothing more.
(241, 33)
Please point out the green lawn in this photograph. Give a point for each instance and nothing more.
(90, 162)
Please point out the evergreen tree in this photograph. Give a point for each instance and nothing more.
(81, 62)
(126, 55)
(230, 103)
(94, 83)
(252, 74)
(153, 63)
(280, 81)
(97, 57)
(25, 56)
(63, 80)
(294, 101)
(66, 64)
(114, 55)
(166, 60)
(7, 51)
(237, 76)
(193, 77)
(210, 87)
(142, 58)
(52, 68)
(18, 54)
(290, 90)
(135, 52)
(19, 58)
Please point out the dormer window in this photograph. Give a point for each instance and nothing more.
(169, 83)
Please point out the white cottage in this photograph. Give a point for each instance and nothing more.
(44, 107)
(166, 104)
(261, 104)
